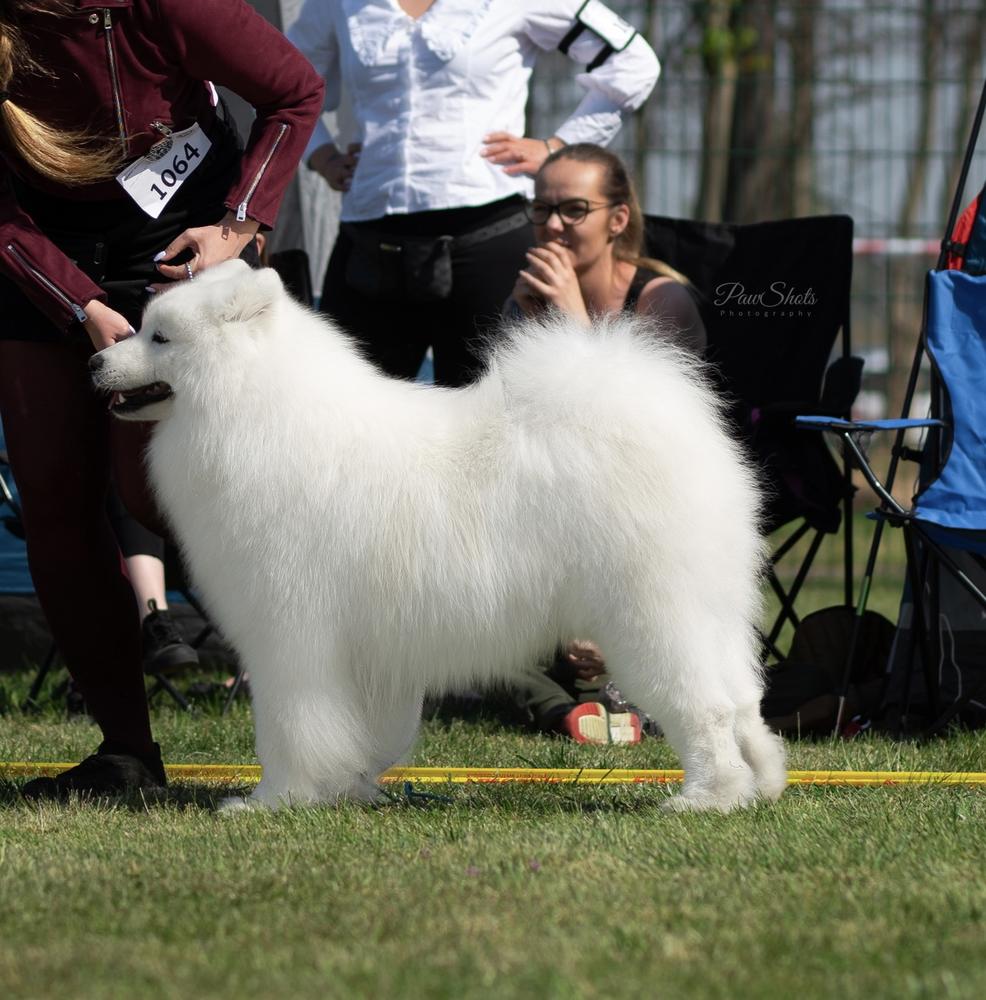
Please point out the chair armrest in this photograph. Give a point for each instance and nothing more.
(834, 424)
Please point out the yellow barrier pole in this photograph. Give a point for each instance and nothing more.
(246, 773)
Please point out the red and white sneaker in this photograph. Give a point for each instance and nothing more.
(591, 723)
(624, 727)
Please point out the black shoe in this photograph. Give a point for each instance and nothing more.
(107, 772)
(165, 651)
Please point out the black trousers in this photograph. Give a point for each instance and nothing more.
(397, 334)
(64, 445)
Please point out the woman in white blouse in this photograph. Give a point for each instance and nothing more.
(433, 229)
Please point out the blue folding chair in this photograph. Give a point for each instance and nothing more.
(949, 511)
(948, 514)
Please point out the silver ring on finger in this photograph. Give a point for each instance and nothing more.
(189, 271)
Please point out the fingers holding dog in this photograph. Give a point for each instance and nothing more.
(202, 247)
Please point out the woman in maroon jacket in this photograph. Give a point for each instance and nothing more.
(119, 174)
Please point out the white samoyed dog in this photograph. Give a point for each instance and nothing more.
(361, 540)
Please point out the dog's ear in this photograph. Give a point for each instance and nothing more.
(250, 293)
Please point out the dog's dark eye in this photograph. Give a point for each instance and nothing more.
(159, 338)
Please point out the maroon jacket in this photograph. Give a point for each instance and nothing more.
(121, 66)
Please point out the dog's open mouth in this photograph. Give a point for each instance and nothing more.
(136, 399)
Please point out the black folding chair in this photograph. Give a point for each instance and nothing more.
(775, 300)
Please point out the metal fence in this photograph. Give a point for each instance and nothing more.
(777, 108)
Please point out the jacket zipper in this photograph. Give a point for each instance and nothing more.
(77, 310)
(241, 209)
(114, 77)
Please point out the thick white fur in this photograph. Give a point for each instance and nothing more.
(361, 540)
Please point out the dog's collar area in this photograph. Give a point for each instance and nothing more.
(136, 399)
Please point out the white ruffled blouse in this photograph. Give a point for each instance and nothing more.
(425, 91)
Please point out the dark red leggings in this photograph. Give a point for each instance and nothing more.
(62, 443)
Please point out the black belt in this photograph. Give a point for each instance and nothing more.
(370, 234)
(490, 232)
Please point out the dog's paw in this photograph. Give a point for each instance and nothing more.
(702, 802)
(237, 804)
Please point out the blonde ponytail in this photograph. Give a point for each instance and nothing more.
(67, 157)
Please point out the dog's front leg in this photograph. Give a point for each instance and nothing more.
(314, 741)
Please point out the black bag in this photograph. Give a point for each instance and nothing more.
(802, 691)
(386, 267)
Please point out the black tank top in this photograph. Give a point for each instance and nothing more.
(640, 278)
(694, 340)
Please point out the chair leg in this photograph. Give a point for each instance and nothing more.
(769, 648)
(919, 625)
(787, 599)
(943, 559)
(786, 612)
(790, 542)
(208, 628)
(235, 689)
(848, 529)
(161, 683)
(864, 596)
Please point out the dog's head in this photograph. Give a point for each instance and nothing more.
(182, 328)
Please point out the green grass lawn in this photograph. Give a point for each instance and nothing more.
(507, 891)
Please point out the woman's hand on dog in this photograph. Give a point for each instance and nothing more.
(206, 246)
(335, 166)
(551, 276)
(105, 326)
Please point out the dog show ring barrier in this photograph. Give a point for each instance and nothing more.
(249, 773)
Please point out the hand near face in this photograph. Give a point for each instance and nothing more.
(550, 274)
(528, 301)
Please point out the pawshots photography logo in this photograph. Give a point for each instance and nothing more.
(778, 299)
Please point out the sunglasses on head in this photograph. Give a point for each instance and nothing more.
(571, 212)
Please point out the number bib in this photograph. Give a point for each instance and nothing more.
(153, 180)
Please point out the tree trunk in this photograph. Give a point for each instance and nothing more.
(972, 84)
(750, 186)
(930, 63)
(802, 130)
(642, 120)
(721, 73)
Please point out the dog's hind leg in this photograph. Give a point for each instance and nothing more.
(678, 680)
(716, 774)
(763, 751)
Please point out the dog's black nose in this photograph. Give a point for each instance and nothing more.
(96, 362)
